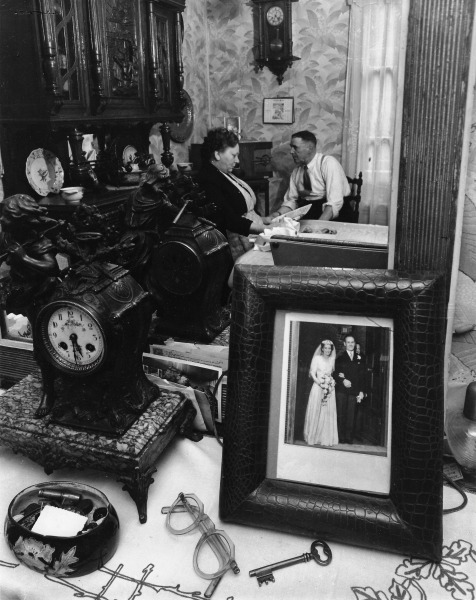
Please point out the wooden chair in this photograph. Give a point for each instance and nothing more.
(349, 213)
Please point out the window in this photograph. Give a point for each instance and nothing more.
(373, 103)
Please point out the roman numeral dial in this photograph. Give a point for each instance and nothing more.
(275, 16)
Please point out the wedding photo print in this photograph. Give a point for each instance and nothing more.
(331, 400)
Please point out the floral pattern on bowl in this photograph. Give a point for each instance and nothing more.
(71, 556)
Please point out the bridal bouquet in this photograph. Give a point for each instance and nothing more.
(327, 383)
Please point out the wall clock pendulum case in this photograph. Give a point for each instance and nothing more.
(273, 22)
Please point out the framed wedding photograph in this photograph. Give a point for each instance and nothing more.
(314, 417)
(278, 111)
(335, 410)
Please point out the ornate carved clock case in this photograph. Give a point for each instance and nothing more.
(187, 278)
(89, 338)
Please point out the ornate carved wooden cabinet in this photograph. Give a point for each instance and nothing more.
(111, 67)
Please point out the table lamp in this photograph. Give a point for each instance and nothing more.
(461, 433)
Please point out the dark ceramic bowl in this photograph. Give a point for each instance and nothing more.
(63, 556)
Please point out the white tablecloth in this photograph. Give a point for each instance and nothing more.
(151, 563)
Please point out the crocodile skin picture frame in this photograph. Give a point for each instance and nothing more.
(407, 519)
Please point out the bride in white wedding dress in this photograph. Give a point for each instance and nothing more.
(320, 425)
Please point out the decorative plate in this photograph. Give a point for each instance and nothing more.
(44, 172)
(179, 132)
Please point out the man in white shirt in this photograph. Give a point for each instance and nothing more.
(318, 179)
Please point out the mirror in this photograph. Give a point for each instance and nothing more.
(329, 50)
(432, 89)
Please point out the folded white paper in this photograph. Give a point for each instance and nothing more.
(288, 227)
(296, 214)
(59, 522)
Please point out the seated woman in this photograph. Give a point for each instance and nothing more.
(234, 200)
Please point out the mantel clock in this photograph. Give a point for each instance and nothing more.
(89, 338)
(274, 32)
(188, 275)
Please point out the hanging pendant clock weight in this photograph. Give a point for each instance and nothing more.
(274, 32)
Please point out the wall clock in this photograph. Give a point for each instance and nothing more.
(273, 28)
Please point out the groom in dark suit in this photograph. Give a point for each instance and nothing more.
(349, 375)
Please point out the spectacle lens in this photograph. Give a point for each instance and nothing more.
(182, 518)
(213, 554)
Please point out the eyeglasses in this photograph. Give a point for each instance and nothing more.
(187, 514)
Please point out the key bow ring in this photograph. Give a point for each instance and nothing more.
(318, 547)
(325, 549)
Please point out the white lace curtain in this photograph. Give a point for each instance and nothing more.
(374, 93)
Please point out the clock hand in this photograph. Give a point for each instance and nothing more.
(74, 353)
(76, 347)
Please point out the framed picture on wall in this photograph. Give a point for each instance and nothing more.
(278, 111)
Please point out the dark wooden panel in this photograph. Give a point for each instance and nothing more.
(436, 86)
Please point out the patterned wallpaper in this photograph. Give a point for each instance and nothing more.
(221, 79)
(320, 30)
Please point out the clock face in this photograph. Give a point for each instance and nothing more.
(275, 16)
(72, 337)
(179, 268)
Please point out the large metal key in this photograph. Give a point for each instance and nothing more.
(265, 574)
